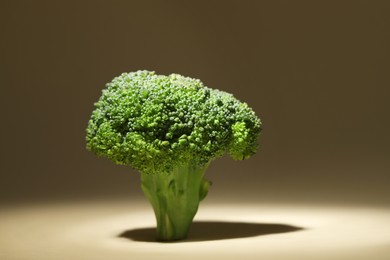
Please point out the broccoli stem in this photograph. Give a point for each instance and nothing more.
(175, 198)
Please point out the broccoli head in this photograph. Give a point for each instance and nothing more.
(169, 128)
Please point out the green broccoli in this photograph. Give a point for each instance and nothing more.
(169, 128)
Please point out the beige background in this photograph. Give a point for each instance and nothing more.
(316, 72)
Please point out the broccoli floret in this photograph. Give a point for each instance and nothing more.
(169, 128)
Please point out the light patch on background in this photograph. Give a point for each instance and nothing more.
(109, 230)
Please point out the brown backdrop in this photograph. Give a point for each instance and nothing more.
(316, 72)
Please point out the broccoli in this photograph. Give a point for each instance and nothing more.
(169, 128)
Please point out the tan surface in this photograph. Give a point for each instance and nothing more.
(109, 230)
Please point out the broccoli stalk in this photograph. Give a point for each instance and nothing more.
(170, 128)
(175, 198)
